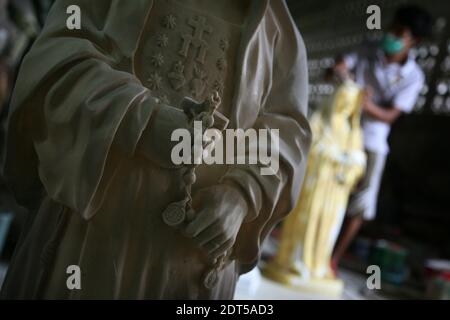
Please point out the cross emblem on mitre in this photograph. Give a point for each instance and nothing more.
(196, 39)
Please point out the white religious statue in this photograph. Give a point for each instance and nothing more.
(89, 147)
(336, 163)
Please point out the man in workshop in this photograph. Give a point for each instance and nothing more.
(393, 81)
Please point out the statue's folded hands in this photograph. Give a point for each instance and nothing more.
(221, 210)
(156, 143)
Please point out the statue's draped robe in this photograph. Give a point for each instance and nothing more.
(78, 113)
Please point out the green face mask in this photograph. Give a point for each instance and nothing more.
(391, 44)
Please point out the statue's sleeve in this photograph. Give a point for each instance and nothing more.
(272, 197)
(75, 99)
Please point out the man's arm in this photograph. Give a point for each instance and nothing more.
(387, 115)
(403, 101)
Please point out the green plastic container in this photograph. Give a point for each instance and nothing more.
(391, 258)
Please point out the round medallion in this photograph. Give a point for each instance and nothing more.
(210, 279)
(175, 214)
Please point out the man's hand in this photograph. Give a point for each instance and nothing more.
(220, 211)
(156, 144)
(387, 115)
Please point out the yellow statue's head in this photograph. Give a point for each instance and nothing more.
(347, 100)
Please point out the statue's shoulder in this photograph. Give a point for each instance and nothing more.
(283, 19)
(289, 38)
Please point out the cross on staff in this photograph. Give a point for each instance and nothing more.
(196, 39)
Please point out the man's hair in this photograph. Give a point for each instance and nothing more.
(416, 19)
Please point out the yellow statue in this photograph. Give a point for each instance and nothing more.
(336, 163)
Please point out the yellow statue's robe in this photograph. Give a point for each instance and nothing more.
(336, 163)
(81, 103)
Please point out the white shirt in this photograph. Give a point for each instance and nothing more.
(394, 85)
